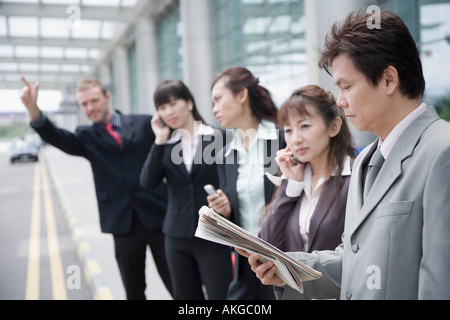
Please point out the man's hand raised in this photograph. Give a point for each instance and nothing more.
(29, 96)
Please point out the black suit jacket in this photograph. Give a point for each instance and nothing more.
(243, 287)
(115, 169)
(185, 190)
(228, 171)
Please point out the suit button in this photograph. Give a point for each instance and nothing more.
(355, 248)
(348, 295)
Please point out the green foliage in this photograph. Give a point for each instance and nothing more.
(443, 107)
(14, 129)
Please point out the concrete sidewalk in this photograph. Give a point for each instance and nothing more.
(75, 187)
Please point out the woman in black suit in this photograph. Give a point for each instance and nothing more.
(240, 102)
(182, 155)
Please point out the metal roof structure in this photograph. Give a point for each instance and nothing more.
(57, 42)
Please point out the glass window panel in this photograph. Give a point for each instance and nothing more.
(26, 51)
(69, 68)
(75, 53)
(23, 27)
(8, 66)
(2, 26)
(26, 1)
(265, 36)
(52, 52)
(49, 67)
(169, 45)
(54, 28)
(133, 77)
(68, 2)
(109, 29)
(113, 3)
(89, 29)
(29, 67)
(435, 48)
(6, 51)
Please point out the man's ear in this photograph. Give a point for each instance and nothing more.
(108, 97)
(391, 80)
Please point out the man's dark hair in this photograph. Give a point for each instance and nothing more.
(373, 50)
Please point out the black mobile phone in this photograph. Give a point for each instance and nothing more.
(161, 122)
(293, 158)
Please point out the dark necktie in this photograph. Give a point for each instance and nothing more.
(113, 133)
(375, 165)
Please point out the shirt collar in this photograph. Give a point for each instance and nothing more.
(116, 121)
(266, 131)
(202, 130)
(347, 169)
(387, 144)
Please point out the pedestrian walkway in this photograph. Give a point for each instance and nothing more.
(75, 187)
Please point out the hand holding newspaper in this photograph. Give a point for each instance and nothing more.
(213, 227)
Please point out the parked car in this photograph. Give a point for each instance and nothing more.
(24, 149)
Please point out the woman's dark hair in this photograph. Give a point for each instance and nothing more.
(170, 90)
(373, 50)
(324, 105)
(261, 104)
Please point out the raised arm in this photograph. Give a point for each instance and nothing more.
(29, 96)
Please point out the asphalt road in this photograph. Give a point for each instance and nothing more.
(39, 259)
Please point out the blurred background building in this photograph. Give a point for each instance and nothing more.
(132, 45)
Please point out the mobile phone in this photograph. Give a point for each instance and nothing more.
(293, 158)
(161, 122)
(210, 189)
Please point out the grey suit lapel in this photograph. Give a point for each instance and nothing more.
(391, 170)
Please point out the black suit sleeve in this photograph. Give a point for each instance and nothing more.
(62, 139)
(152, 172)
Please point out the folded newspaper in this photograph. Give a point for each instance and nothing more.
(213, 227)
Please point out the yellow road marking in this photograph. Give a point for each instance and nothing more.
(56, 266)
(32, 288)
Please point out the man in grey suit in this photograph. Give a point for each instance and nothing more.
(396, 241)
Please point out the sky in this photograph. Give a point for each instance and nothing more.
(47, 100)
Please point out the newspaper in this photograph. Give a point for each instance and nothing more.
(213, 227)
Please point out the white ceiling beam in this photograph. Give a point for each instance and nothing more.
(119, 14)
(17, 85)
(56, 42)
(67, 61)
(74, 74)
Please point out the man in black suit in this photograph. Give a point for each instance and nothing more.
(131, 214)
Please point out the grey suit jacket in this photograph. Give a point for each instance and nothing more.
(396, 245)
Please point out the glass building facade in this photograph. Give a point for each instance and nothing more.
(133, 79)
(169, 45)
(269, 37)
(265, 36)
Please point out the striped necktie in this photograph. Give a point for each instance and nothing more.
(375, 165)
